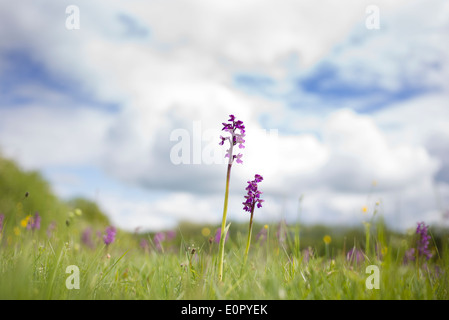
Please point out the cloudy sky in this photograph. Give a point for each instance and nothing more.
(345, 106)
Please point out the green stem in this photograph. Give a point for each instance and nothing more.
(55, 271)
(249, 235)
(417, 263)
(223, 226)
(367, 238)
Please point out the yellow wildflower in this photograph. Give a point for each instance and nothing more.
(205, 231)
(327, 239)
(24, 221)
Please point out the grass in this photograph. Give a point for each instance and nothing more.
(291, 262)
(33, 266)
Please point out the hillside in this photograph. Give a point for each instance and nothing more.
(26, 194)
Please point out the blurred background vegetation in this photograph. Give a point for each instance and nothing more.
(24, 193)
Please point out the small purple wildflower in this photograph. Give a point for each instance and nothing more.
(144, 244)
(422, 245)
(379, 252)
(234, 138)
(86, 237)
(35, 222)
(218, 236)
(170, 235)
(262, 235)
(253, 196)
(423, 241)
(109, 236)
(307, 254)
(2, 217)
(355, 256)
(51, 228)
(409, 255)
(281, 233)
(158, 239)
(252, 199)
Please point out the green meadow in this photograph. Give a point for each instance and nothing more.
(64, 256)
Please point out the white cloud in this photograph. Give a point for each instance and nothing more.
(39, 136)
(182, 72)
(414, 121)
(131, 214)
(361, 153)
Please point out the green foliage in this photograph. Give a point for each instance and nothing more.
(290, 262)
(25, 193)
(35, 268)
(90, 211)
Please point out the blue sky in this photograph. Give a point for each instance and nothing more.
(336, 113)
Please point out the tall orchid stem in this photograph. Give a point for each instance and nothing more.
(223, 225)
(249, 235)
